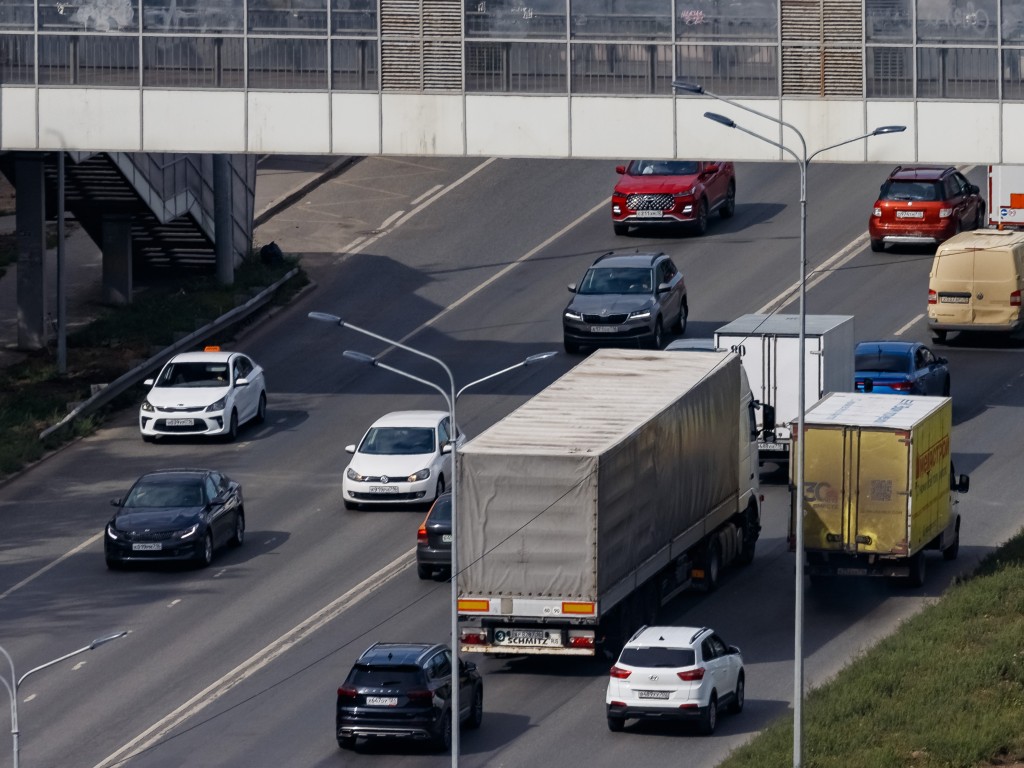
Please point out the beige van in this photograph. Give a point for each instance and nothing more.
(975, 283)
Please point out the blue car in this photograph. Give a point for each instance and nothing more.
(900, 368)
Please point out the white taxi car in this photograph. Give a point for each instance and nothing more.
(405, 457)
(204, 393)
(675, 673)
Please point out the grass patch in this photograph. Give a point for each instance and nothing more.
(33, 396)
(945, 691)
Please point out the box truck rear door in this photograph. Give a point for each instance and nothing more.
(882, 476)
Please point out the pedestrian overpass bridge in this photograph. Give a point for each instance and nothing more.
(515, 78)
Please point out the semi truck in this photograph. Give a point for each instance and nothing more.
(769, 347)
(879, 486)
(624, 482)
(1006, 196)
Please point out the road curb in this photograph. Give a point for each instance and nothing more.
(289, 199)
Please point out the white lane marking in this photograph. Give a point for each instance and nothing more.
(387, 222)
(45, 568)
(427, 194)
(909, 325)
(30, 697)
(257, 661)
(80, 664)
(359, 244)
(838, 259)
(220, 573)
(174, 602)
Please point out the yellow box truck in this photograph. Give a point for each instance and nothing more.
(879, 486)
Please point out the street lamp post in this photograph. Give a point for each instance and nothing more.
(15, 682)
(450, 398)
(803, 159)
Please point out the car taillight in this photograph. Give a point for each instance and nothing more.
(619, 673)
(691, 675)
(470, 637)
(581, 641)
(933, 297)
(420, 696)
(878, 212)
(901, 386)
(347, 693)
(945, 213)
(421, 535)
(1015, 299)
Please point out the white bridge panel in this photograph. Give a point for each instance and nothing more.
(205, 121)
(421, 124)
(90, 119)
(606, 127)
(527, 126)
(296, 123)
(958, 132)
(18, 118)
(355, 123)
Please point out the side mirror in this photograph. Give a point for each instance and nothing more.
(664, 288)
(217, 500)
(446, 448)
(869, 385)
(711, 168)
(242, 382)
(768, 417)
(733, 649)
(572, 287)
(973, 189)
(964, 484)
(148, 382)
(350, 449)
(941, 361)
(115, 502)
(620, 169)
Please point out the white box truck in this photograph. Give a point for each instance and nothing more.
(1006, 196)
(769, 346)
(879, 486)
(627, 480)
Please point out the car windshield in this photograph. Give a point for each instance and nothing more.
(658, 657)
(883, 362)
(198, 374)
(378, 676)
(398, 440)
(441, 512)
(184, 494)
(899, 189)
(601, 280)
(663, 168)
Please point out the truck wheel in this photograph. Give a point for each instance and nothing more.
(616, 724)
(712, 565)
(751, 530)
(951, 552)
(917, 570)
(709, 717)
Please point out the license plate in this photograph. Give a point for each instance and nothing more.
(954, 299)
(851, 571)
(181, 422)
(446, 538)
(909, 214)
(147, 547)
(652, 694)
(383, 489)
(603, 329)
(648, 214)
(773, 447)
(382, 701)
(524, 637)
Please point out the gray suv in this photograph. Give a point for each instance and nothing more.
(626, 299)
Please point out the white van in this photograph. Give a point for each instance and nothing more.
(975, 283)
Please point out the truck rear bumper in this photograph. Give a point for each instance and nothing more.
(839, 565)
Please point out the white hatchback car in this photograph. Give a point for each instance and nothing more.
(204, 393)
(675, 673)
(404, 458)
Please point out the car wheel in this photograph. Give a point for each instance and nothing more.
(679, 327)
(616, 724)
(712, 565)
(700, 222)
(709, 717)
(939, 337)
(953, 550)
(205, 556)
(261, 409)
(979, 222)
(620, 229)
(148, 438)
(424, 571)
(439, 489)
(476, 709)
(443, 737)
(571, 347)
(740, 695)
(877, 245)
(239, 535)
(657, 340)
(347, 742)
(350, 504)
(114, 565)
(729, 206)
(918, 566)
(232, 433)
(945, 387)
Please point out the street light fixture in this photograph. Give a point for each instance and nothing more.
(15, 682)
(803, 159)
(450, 398)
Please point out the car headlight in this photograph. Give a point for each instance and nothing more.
(683, 193)
(640, 314)
(423, 474)
(217, 406)
(351, 474)
(112, 532)
(147, 406)
(190, 531)
(572, 314)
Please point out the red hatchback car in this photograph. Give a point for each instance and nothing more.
(672, 192)
(924, 205)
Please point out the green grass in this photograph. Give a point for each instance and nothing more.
(33, 396)
(945, 691)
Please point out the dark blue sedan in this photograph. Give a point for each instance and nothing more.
(900, 368)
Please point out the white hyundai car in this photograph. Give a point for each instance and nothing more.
(204, 393)
(675, 673)
(404, 458)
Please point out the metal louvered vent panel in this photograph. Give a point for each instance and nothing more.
(421, 45)
(822, 48)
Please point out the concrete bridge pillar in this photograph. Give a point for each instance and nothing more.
(30, 226)
(117, 259)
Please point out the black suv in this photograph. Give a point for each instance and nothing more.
(404, 690)
(626, 299)
(434, 538)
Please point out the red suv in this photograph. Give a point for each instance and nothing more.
(924, 205)
(672, 192)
